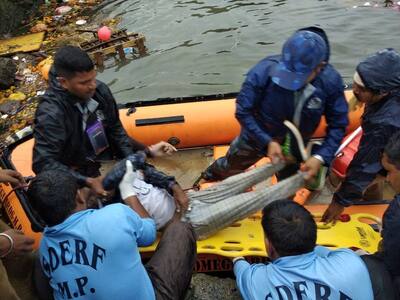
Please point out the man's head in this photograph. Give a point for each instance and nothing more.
(303, 56)
(289, 229)
(54, 196)
(377, 76)
(391, 161)
(75, 72)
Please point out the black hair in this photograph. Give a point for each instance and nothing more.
(392, 150)
(70, 60)
(289, 227)
(52, 195)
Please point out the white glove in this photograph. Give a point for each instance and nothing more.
(126, 187)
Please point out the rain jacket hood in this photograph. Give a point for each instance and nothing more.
(381, 71)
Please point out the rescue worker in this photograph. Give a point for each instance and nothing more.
(77, 123)
(300, 86)
(377, 84)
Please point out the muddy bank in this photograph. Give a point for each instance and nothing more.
(13, 14)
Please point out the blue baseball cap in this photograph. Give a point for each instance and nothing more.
(301, 54)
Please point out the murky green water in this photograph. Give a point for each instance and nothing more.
(205, 47)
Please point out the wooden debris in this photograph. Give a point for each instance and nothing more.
(119, 41)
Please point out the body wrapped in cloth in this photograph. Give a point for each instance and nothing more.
(216, 207)
(226, 202)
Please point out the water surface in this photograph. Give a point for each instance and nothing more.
(205, 47)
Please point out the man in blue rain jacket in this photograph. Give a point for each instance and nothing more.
(300, 86)
(377, 84)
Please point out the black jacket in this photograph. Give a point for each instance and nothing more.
(61, 143)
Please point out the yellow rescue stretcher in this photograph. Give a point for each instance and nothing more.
(246, 238)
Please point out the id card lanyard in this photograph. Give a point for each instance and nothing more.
(95, 132)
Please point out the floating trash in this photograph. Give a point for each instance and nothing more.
(104, 33)
(80, 22)
(129, 50)
(367, 4)
(17, 96)
(61, 10)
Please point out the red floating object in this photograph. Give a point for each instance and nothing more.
(104, 33)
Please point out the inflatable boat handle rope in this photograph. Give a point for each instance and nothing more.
(24, 186)
(299, 139)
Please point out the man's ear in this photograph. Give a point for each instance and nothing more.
(81, 197)
(272, 254)
(63, 82)
(321, 66)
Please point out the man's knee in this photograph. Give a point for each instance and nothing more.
(181, 229)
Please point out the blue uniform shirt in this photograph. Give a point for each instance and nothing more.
(320, 274)
(94, 254)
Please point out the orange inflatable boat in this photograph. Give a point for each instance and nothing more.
(201, 127)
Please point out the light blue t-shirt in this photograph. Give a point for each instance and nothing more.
(94, 254)
(322, 274)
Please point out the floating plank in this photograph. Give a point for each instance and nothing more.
(24, 43)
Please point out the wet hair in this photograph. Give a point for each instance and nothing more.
(392, 150)
(70, 60)
(52, 195)
(289, 227)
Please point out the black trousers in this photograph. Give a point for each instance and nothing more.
(171, 267)
(241, 155)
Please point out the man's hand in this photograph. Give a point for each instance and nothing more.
(181, 199)
(11, 176)
(128, 193)
(22, 243)
(126, 185)
(161, 149)
(311, 167)
(96, 185)
(332, 213)
(275, 152)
